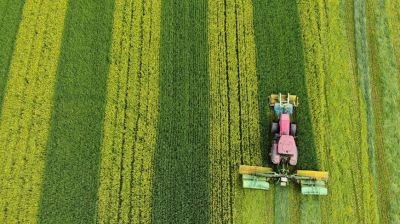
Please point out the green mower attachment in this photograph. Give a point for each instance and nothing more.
(255, 182)
(311, 182)
(313, 187)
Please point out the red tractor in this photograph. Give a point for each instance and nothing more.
(284, 153)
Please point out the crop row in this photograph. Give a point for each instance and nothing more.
(234, 111)
(26, 109)
(125, 191)
(337, 108)
(180, 190)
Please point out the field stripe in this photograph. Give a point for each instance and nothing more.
(70, 181)
(26, 111)
(386, 80)
(280, 66)
(234, 114)
(345, 149)
(10, 17)
(181, 157)
(125, 192)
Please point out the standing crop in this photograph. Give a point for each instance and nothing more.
(26, 109)
(71, 176)
(180, 187)
(234, 113)
(11, 17)
(131, 115)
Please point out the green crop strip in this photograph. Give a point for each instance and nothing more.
(280, 68)
(337, 109)
(386, 80)
(234, 114)
(70, 183)
(26, 110)
(130, 126)
(10, 17)
(181, 157)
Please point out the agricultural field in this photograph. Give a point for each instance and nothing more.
(142, 111)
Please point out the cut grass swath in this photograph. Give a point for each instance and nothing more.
(131, 115)
(333, 85)
(181, 157)
(70, 183)
(10, 17)
(234, 115)
(26, 109)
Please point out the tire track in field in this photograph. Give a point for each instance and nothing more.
(180, 165)
(27, 108)
(9, 22)
(129, 141)
(234, 124)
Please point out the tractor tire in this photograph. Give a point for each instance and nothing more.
(293, 128)
(274, 128)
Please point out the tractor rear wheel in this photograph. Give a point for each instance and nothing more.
(293, 128)
(274, 128)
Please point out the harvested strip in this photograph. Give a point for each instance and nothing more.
(70, 183)
(131, 115)
(392, 8)
(26, 110)
(344, 152)
(387, 80)
(364, 74)
(180, 187)
(10, 17)
(234, 124)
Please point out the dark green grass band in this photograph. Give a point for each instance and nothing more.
(280, 68)
(70, 185)
(10, 17)
(180, 190)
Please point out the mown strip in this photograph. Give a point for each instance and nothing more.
(234, 114)
(10, 17)
(386, 80)
(26, 110)
(392, 8)
(130, 125)
(377, 110)
(280, 67)
(70, 183)
(336, 115)
(364, 74)
(180, 187)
